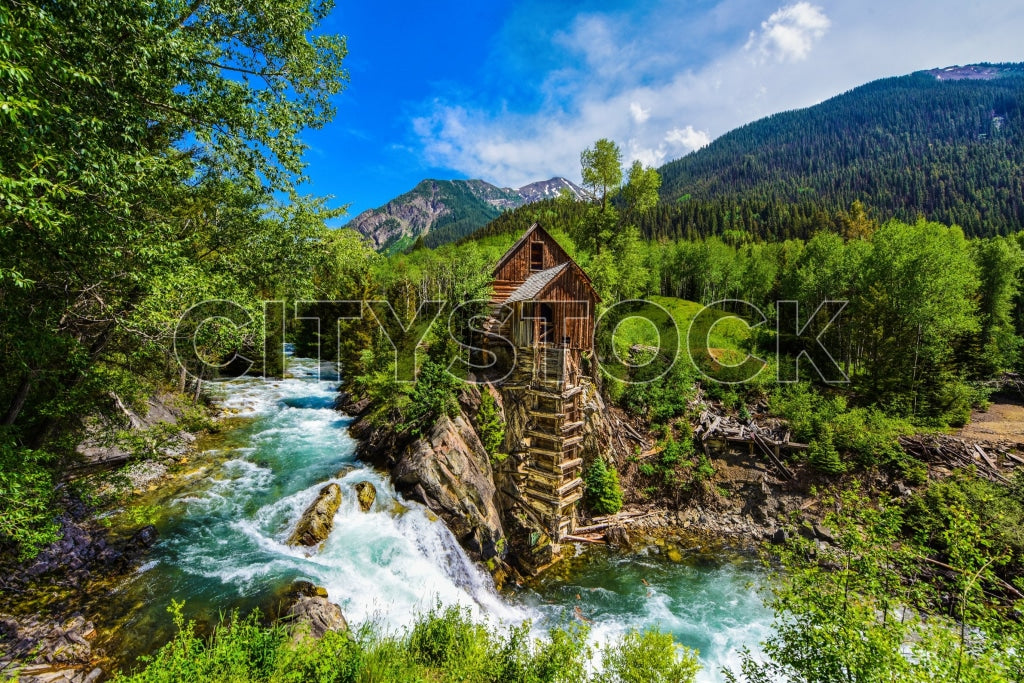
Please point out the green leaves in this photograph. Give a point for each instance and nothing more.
(860, 610)
(604, 495)
(26, 500)
(490, 425)
(145, 153)
(602, 169)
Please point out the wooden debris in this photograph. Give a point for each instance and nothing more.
(939, 449)
(769, 442)
(583, 539)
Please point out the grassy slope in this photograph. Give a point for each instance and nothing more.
(728, 336)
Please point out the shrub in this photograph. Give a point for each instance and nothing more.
(445, 644)
(662, 399)
(649, 657)
(449, 639)
(705, 470)
(604, 495)
(434, 396)
(998, 509)
(823, 456)
(27, 517)
(492, 429)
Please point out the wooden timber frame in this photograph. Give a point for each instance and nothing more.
(545, 304)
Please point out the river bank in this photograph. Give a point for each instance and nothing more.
(50, 605)
(223, 513)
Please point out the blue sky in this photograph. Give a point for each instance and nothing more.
(511, 92)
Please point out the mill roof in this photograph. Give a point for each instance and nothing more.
(535, 284)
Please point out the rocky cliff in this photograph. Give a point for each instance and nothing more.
(481, 501)
(448, 470)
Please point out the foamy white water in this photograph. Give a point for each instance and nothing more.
(387, 564)
(223, 545)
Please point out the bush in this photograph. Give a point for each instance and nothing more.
(434, 396)
(823, 456)
(663, 398)
(604, 495)
(492, 429)
(833, 430)
(649, 657)
(998, 509)
(27, 517)
(445, 644)
(449, 639)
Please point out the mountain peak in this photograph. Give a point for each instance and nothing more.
(443, 211)
(976, 72)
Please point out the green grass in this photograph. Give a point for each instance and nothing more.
(728, 339)
(445, 644)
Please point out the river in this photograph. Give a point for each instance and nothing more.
(224, 525)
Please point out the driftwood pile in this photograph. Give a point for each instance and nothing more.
(606, 529)
(990, 461)
(1009, 382)
(770, 440)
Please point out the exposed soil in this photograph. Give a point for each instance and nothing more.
(1003, 422)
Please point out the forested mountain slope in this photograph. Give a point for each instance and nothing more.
(947, 144)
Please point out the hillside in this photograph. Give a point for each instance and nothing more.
(444, 211)
(946, 143)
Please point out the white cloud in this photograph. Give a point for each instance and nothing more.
(639, 113)
(790, 33)
(688, 138)
(634, 82)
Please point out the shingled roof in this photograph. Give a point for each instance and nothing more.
(535, 284)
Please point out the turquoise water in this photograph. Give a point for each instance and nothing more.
(708, 601)
(222, 544)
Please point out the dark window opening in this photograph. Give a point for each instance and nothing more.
(547, 324)
(536, 256)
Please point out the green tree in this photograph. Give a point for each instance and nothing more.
(492, 429)
(150, 159)
(917, 299)
(604, 495)
(641, 190)
(602, 169)
(999, 262)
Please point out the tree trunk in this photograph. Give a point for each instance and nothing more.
(19, 399)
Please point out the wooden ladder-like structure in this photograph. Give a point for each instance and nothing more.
(551, 483)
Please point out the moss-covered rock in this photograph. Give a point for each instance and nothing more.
(366, 493)
(317, 521)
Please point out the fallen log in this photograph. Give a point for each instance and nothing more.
(584, 539)
(1014, 458)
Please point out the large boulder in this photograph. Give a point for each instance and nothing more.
(320, 614)
(449, 471)
(317, 521)
(366, 493)
(306, 605)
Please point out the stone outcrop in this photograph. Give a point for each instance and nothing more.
(44, 650)
(450, 472)
(319, 614)
(366, 493)
(317, 521)
(305, 606)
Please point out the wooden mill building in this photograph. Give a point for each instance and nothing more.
(545, 305)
